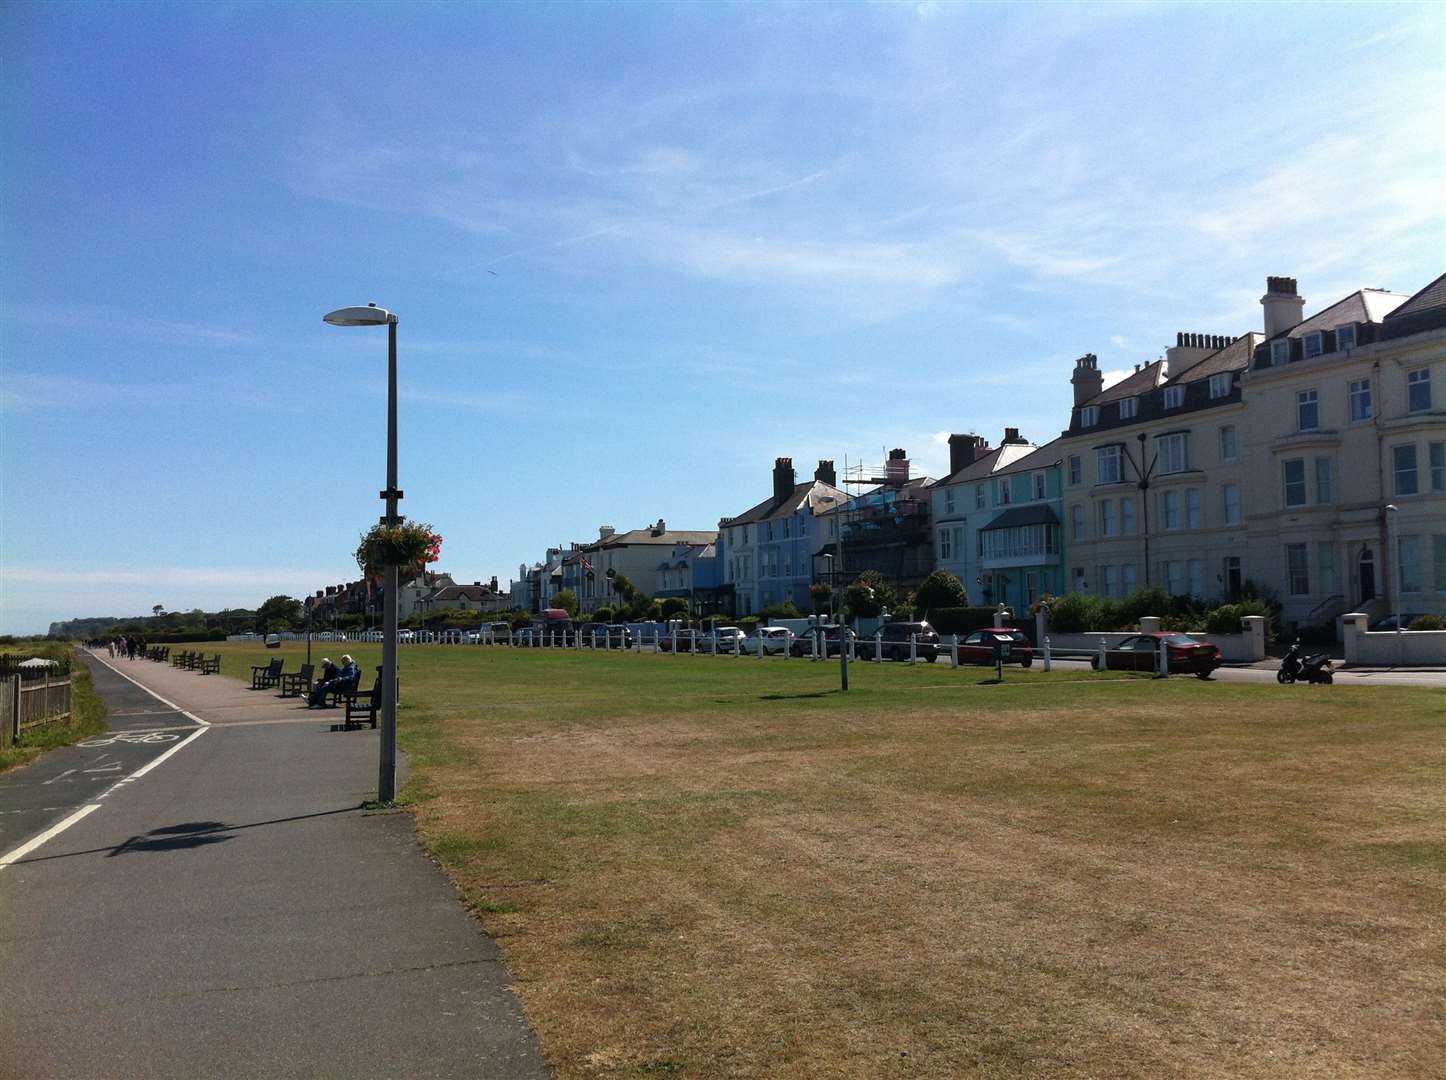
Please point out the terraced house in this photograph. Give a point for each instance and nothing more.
(1019, 542)
(1153, 473)
(1346, 437)
(766, 550)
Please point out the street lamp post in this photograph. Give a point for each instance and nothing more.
(371, 315)
(1395, 556)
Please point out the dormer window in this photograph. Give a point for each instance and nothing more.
(1128, 407)
(1174, 397)
(1312, 345)
(1220, 385)
(1345, 337)
(1089, 416)
(1280, 352)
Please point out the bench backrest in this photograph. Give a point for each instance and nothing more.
(306, 670)
(275, 668)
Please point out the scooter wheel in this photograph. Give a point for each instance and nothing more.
(1283, 677)
(1327, 678)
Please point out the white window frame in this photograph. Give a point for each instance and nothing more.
(1409, 566)
(1297, 573)
(1362, 407)
(1221, 384)
(1280, 352)
(1287, 483)
(1436, 460)
(1415, 379)
(1111, 453)
(1312, 344)
(1076, 522)
(1129, 407)
(1230, 503)
(979, 497)
(945, 548)
(1089, 416)
(1233, 439)
(1173, 453)
(1001, 491)
(1324, 481)
(1174, 397)
(1345, 337)
(1170, 511)
(1076, 470)
(948, 500)
(1193, 511)
(1040, 485)
(1127, 516)
(1397, 472)
(1108, 522)
(1307, 399)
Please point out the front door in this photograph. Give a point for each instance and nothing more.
(1232, 578)
(1367, 575)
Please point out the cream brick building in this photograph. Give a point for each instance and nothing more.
(1346, 415)
(1154, 477)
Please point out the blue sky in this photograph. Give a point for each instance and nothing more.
(638, 251)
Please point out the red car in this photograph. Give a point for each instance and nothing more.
(978, 647)
(1141, 653)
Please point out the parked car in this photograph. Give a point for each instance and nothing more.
(772, 640)
(1140, 652)
(1389, 622)
(978, 647)
(894, 643)
(406, 635)
(619, 636)
(828, 639)
(728, 638)
(273, 641)
(688, 641)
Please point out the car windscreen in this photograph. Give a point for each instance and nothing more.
(1181, 639)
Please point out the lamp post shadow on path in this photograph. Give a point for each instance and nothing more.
(371, 315)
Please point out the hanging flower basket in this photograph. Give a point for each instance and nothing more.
(410, 546)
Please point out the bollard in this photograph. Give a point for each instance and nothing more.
(953, 650)
(1046, 652)
(813, 646)
(760, 643)
(913, 648)
(1164, 658)
(879, 646)
(675, 637)
(594, 640)
(1101, 656)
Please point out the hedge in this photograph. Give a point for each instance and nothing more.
(961, 620)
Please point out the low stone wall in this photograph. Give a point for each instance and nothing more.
(1389, 648)
(1246, 647)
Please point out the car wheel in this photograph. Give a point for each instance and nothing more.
(1028, 661)
(1203, 675)
(932, 657)
(1095, 663)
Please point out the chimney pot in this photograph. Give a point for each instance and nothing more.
(783, 478)
(1284, 306)
(825, 473)
(1086, 380)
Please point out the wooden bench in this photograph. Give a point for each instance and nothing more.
(211, 666)
(177, 659)
(363, 707)
(298, 682)
(264, 676)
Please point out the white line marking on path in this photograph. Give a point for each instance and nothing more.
(53, 779)
(54, 831)
(147, 689)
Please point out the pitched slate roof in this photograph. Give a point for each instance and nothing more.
(988, 463)
(1234, 357)
(1363, 305)
(817, 495)
(460, 592)
(1038, 514)
(1424, 311)
(1138, 382)
(666, 538)
(1040, 458)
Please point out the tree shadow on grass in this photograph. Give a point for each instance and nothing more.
(790, 697)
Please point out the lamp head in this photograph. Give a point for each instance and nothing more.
(371, 315)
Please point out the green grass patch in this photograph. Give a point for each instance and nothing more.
(87, 717)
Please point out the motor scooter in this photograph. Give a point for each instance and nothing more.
(1295, 666)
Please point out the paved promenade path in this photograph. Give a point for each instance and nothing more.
(207, 899)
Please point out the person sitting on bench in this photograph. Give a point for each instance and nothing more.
(347, 678)
(328, 670)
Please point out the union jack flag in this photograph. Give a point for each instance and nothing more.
(585, 564)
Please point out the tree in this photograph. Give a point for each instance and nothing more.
(869, 595)
(674, 606)
(158, 611)
(567, 600)
(822, 594)
(278, 613)
(940, 589)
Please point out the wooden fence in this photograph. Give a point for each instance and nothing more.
(29, 703)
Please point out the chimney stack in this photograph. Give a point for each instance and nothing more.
(825, 474)
(783, 478)
(660, 528)
(896, 469)
(964, 450)
(605, 532)
(494, 582)
(1086, 380)
(1284, 307)
(1011, 437)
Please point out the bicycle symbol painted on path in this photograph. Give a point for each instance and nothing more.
(139, 737)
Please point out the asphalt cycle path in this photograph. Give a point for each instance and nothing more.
(73, 781)
(235, 912)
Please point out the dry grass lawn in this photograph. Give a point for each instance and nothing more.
(717, 868)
